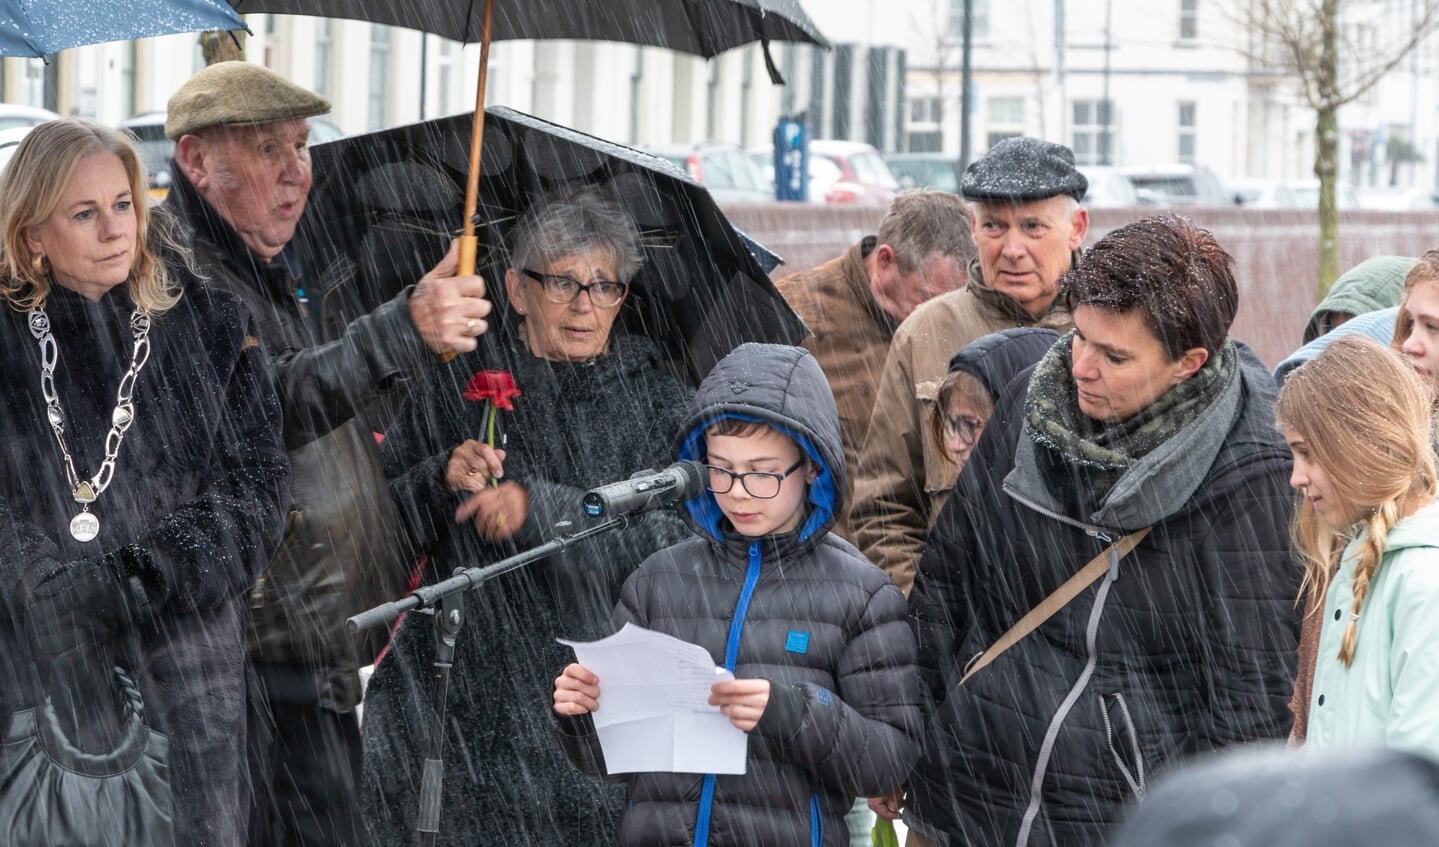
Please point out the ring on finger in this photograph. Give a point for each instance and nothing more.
(470, 325)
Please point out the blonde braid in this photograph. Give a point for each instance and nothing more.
(1380, 522)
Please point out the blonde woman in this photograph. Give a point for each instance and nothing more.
(1357, 422)
(143, 479)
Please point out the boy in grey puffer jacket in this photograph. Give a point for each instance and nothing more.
(816, 636)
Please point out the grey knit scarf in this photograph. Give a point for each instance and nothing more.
(1104, 451)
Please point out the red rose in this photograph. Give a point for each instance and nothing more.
(496, 386)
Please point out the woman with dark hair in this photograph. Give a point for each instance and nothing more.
(1147, 419)
(143, 481)
(594, 405)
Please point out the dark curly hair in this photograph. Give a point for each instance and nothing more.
(1174, 273)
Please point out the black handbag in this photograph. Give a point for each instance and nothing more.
(56, 795)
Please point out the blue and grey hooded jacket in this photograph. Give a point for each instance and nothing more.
(802, 609)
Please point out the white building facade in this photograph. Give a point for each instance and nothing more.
(1128, 82)
(1137, 82)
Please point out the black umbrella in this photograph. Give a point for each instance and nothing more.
(703, 27)
(385, 204)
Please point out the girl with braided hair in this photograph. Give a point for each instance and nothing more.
(1357, 421)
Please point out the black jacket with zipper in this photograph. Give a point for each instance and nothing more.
(335, 366)
(1193, 644)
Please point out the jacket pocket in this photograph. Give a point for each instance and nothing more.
(293, 520)
(1123, 741)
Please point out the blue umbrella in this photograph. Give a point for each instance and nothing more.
(37, 28)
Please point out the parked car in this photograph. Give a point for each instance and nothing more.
(156, 150)
(925, 170)
(823, 172)
(1307, 192)
(1288, 194)
(1399, 199)
(1256, 193)
(1178, 185)
(864, 178)
(9, 140)
(14, 116)
(1108, 189)
(724, 170)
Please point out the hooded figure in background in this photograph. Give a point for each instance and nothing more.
(1373, 284)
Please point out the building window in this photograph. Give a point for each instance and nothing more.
(925, 110)
(994, 138)
(925, 141)
(1006, 110)
(1188, 20)
(449, 71)
(1186, 133)
(379, 74)
(1092, 126)
(980, 29)
(323, 44)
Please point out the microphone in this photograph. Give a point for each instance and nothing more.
(648, 489)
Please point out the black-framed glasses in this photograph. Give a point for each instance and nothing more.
(760, 484)
(963, 427)
(561, 289)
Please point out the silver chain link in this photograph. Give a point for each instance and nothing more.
(120, 418)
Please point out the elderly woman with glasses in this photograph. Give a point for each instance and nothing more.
(579, 403)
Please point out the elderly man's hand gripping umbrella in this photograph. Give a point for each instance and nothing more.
(449, 309)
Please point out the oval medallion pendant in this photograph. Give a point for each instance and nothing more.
(85, 527)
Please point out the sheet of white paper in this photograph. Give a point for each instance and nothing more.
(654, 712)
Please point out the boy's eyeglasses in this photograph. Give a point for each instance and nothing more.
(761, 484)
(963, 427)
(563, 290)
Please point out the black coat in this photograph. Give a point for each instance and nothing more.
(337, 367)
(199, 487)
(575, 427)
(1194, 649)
(802, 609)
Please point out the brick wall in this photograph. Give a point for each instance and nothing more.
(1275, 252)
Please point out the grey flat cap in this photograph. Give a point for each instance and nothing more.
(231, 93)
(1019, 170)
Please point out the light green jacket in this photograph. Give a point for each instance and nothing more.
(1390, 695)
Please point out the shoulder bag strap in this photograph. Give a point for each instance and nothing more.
(1057, 600)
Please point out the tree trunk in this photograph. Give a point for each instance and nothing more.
(1326, 156)
(222, 46)
(1326, 144)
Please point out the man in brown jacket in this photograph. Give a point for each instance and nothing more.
(1028, 225)
(854, 303)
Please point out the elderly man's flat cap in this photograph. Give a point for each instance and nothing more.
(238, 93)
(1018, 170)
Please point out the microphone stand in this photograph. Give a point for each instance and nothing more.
(447, 600)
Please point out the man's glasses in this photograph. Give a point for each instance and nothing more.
(563, 290)
(963, 427)
(760, 484)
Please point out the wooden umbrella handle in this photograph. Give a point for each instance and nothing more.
(469, 243)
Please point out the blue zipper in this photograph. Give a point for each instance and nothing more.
(816, 823)
(731, 653)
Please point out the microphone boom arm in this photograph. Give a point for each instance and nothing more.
(466, 578)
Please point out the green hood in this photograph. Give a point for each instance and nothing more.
(1371, 285)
